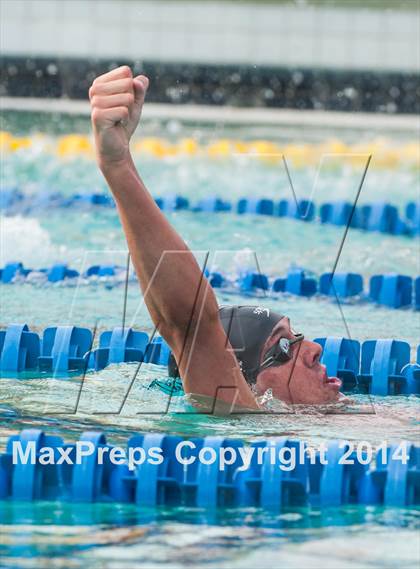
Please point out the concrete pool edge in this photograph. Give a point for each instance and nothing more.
(238, 116)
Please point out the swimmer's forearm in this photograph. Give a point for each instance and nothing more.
(179, 291)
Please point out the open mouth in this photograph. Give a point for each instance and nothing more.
(333, 381)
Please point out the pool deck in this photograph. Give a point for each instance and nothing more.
(202, 114)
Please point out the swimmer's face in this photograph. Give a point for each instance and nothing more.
(303, 379)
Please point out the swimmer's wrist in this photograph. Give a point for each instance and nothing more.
(111, 166)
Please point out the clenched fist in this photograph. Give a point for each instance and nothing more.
(116, 99)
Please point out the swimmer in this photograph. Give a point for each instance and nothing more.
(227, 354)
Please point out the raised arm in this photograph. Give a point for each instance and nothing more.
(179, 298)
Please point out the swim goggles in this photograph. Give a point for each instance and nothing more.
(281, 352)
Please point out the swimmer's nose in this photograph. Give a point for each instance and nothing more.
(312, 353)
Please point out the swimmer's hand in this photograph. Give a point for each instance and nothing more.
(116, 100)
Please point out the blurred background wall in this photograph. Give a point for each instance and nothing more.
(327, 36)
(279, 53)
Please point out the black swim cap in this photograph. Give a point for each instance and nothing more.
(247, 329)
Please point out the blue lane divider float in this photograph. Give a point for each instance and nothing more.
(172, 203)
(16, 273)
(393, 483)
(417, 293)
(59, 272)
(412, 212)
(382, 363)
(344, 285)
(9, 198)
(390, 290)
(89, 480)
(118, 345)
(19, 348)
(337, 482)
(296, 282)
(339, 477)
(303, 210)
(13, 271)
(341, 213)
(250, 282)
(157, 352)
(216, 279)
(378, 216)
(212, 204)
(383, 217)
(378, 367)
(103, 271)
(394, 291)
(65, 349)
(341, 356)
(30, 481)
(264, 484)
(412, 374)
(256, 206)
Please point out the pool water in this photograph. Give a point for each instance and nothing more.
(119, 536)
(103, 535)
